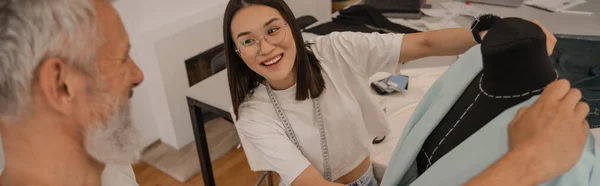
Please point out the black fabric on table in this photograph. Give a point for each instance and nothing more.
(360, 18)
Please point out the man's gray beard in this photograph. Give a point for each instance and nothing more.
(114, 140)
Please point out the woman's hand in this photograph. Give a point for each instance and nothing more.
(552, 132)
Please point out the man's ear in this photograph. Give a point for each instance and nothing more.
(54, 86)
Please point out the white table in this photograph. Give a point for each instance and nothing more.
(210, 94)
(557, 23)
(213, 91)
(399, 108)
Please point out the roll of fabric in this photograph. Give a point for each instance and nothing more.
(360, 18)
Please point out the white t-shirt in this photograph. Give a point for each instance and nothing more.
(351, 115)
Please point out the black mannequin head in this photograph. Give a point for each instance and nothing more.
(514, 52)
(516, 66)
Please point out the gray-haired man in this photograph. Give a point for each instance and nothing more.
(65, 83)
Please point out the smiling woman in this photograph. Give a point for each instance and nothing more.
(247, 44)
(303, 107)
(250, 46)
(267, 61)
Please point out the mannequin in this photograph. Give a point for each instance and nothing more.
(516, 67)
(512, 61)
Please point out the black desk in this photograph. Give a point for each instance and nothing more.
(212, 95)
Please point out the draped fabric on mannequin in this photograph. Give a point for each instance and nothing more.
(516, 66)
(512, 64)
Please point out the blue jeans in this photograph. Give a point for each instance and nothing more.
(367, 179)
(577, 59)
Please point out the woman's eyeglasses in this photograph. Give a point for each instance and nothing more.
(250, 47)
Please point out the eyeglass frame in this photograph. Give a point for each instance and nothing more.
(237, 49)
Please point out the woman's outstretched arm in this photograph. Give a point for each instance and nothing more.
(448, 42)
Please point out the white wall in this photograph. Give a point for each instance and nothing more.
(165, 33)
(321, 9)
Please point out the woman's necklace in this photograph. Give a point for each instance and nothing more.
(289, 131)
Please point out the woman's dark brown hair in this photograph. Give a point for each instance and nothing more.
(309, 82)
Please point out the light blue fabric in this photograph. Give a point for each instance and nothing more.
(477, 152)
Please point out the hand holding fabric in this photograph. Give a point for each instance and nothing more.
(551, 134)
